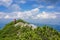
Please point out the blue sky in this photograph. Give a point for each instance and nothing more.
(34, 11)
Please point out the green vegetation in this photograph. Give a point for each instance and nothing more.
(10, 32)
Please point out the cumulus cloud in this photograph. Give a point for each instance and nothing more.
(14, 7)
(30, 14)
(27, 14)
(10, 17)
(35, 10)
(6, 2)
(45, 15)
(7, 17)
(19, 14)
(10, 5)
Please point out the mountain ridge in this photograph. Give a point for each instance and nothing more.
(22, 30)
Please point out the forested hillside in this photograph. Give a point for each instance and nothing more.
(22, 30)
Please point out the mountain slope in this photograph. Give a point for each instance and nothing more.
(24, 31)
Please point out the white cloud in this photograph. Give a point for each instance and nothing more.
(51, 2)
(50, 7)
(7, 17)
(27, 14)
(23, 15)
(45, 15)
(10, 17)
(33, 14)
(9, 5)
(36, 10)
(14, 7)
(2, 15)
(57, 13)
(6, 2)
(20, 1)
(40, 6)
(23, 1)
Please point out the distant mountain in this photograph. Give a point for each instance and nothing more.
(54, 26)
(22, 30)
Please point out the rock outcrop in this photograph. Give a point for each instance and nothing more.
(21, 24)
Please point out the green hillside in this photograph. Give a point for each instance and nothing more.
(24, 31)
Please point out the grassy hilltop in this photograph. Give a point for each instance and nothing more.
(22, 30)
